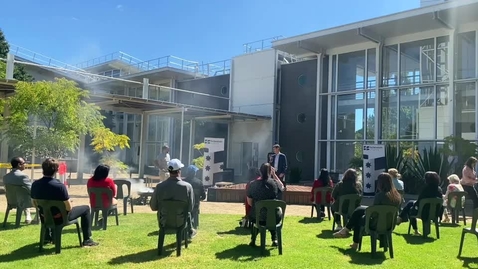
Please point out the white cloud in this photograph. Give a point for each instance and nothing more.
(74, 19)
(119, 7)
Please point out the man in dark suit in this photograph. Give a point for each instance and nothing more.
(279, 162)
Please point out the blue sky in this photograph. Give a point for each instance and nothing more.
(208, 30)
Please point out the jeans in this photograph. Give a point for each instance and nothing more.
(472, 194)
(273, 232)
(356, 222)
(83, 212)
(195, 218)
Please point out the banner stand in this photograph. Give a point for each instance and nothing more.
(374, 163)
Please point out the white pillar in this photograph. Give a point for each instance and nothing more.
(142, 144)
(145, 88)
(182, 135)
(451, 86)
(320, 62)
(378, 100)
(10, 66)
(192, 126)
(81, 159)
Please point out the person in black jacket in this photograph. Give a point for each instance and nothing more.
(431, 190)
(199, 193)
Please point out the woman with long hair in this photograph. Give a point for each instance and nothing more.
(387, 195)
(348, 185)
(100, 179)
(323, 181)
(253, 174)
(468, 180)
(431, 190)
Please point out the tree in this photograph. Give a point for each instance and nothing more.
(49, 117)
(199, 161)
(19, 72)
(105, 142)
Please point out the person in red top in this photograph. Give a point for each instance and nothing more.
(100, 179)
(323, 181)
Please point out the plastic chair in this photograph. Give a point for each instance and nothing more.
(120, 195)
(48, 222)
(98, 206)
(347, 204)
(323, 202)
(471, 230)
(459, 197)
(434, 205)
(271, 221)
(173, 215)
(380, 221)
(15, 200)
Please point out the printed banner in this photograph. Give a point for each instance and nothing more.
(374, 163)
(214, 158)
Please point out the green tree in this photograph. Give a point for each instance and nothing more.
(49, 117)
(105, 142)
(19, 72)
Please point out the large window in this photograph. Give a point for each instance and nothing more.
(417, 113)
(371, 69)
(417, 62)
(443, 117)
(389, 114)
(390, 66)
(442, 58)
(350, 116)
(465, 108)
(370, 116)
(351, 71)
(465, 55)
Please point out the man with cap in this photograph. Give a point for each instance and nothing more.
(174, 189)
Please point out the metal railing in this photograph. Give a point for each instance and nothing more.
(119, 55)
(260, 44)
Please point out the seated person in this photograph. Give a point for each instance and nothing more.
(49, 188)
(174, 189)
(387, 195)
(452, 187)
(100, 179)
(348, 185)
(17, 177)
(199, 193)
(396, 179)
(253, 174)
(431, 190)
(323, 181)
(264, 188)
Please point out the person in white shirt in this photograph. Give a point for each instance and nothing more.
(162, 163)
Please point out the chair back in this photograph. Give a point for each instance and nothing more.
(119, 188)
(348, 203)
(173, 214)
(474, 220)
(98, 193)
(271, 207)
(459, 197)
(323, 194)
(50, 209)
(434, 205)
(380, 218)
(18, 196)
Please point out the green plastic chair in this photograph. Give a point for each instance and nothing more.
(434, 205)
(271, 221)
(15, 200)
(471, 230)
(459, 206)
(380, 221)
(173, 215)
(48, 222)
(347, 204)
(98, 206)
(120, 194)
(323, 195)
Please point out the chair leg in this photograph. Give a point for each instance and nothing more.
(409, 226)
(461, 243)
(329, 212)
(105, 218)
(78, 231)
(186, 238)
(437, 228)
(131, 203)
(312, 211)
(179, 240)
(263, 240)
(6, 216)
(125, 206)
(18, 217)
(279, 240)
(116, 216)
(390, 244)
(373, 241)
(464, 216)
(57, 239)
(161, 236)
(42, 236)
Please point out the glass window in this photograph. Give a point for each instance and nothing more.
(443, 112)
(164, 94)
(465, 55)
(351, 75)
(370, 119)
(417, 62)
(465, 108)
(334, 73)
(417, 113)
(153, 93)
(349, 155)
(442, 58)
(152, 128)
(333, 116)
(390, 66)
(371, 70)
(389, 114)
(108, 73)
(350, 116)
(116, 73)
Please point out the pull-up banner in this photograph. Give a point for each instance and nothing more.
(374, 163)
(213, 160)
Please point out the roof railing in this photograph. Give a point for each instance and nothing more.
(260, 44)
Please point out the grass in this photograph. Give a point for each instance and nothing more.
(220, 244)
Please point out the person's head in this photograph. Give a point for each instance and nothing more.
(101, 172)
(432, 179)
(265, 171)
(165, 149)
(394, 173)
(18, 163)
(276, 148)
(453, 179)
(174, 167)
(191, 171)
(471, 162)
(49, 167)
(385, 185)
(350, 176)
(254, 173)
(324, 177)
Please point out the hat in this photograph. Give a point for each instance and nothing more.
(175, 165)
(191, 171)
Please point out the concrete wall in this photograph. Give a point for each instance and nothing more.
(253, 79)
(217, 86)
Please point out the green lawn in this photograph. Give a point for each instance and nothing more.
(220, 244)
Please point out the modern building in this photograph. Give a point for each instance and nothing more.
(408, 79)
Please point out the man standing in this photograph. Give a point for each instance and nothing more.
(279, 162)
(50, 188)
(18, 178)
(174, 189)
(162, 163)
(199, 193)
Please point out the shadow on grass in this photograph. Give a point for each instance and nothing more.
(307, 220)
(326, 234)
(467, 262)
(237, 231)
(449, 224)
(147, 255)
(30, 251)
(242, 253)
(154, 233)
(416, 240)
(362, 258)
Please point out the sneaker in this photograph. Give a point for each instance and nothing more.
(342, 233)
(338, 228)
(90, 243)
(193, 233)
(275, 243)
